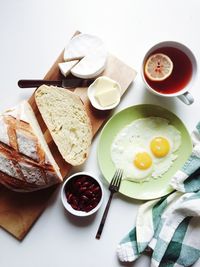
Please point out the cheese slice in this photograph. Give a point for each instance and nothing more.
(91, 52)
(65, 67)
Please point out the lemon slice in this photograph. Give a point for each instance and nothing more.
(158, 67)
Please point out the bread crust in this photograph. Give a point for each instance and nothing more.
(24, 164)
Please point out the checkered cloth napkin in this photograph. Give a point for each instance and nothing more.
(170, 226)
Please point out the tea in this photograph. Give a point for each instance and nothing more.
(181, 73)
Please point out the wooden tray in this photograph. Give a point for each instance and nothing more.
(19, 211)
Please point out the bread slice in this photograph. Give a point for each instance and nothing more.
(26, 162)
(65, 116)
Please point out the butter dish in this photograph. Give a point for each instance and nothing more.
(104, 93)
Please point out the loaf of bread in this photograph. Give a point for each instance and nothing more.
(65, 116)
(26, 163)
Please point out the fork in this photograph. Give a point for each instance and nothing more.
(114, 188)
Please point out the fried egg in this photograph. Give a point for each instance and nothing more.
(137, 163)
(146, 148)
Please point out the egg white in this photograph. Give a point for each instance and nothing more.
(136, 137)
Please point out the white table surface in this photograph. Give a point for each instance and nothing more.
(32, 35)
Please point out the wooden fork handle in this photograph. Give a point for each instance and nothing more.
(37, 83)
(101, 226)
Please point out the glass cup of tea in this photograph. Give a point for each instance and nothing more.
(180, 75)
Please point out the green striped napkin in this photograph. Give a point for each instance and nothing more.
(170, 226)
(187, 179)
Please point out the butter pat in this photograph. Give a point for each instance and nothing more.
(104, 93)
(107, 97)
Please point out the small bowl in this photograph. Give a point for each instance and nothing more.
(91, 93)
(82, 194)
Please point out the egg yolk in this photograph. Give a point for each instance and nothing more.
(142, 160)
(160, 147)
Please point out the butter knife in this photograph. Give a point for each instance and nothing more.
(66, 83)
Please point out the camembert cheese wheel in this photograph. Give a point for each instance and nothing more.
(90, 50)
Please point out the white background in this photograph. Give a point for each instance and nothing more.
(32, 35)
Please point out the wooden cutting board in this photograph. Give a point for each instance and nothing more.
(19, 211)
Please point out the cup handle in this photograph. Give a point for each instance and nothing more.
(186, 98)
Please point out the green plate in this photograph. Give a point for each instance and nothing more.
(153, 188)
